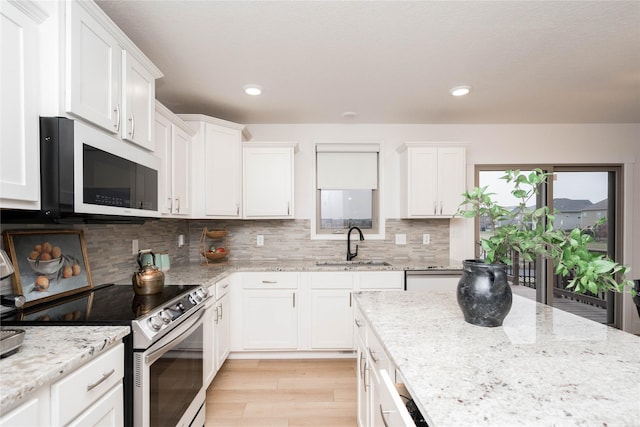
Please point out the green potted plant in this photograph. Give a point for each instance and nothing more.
(483, 292)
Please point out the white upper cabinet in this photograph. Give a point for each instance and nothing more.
(109, 82)
(268, 175)
(173, 146)
(139, 94)
(216, 167)
(19, 113)
(432, 180)
(93, 70)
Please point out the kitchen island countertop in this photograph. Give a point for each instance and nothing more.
(48, 353)
(543, 367)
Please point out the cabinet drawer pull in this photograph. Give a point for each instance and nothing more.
(101, 380)
(270, 281)
(225, 286)
(358, 323)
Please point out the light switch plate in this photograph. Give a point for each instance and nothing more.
(134, 247)
(426, 239)
(260, 240)
(401, 239)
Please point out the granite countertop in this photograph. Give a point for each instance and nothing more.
(542, 367)
(49, 353)
(196, 274)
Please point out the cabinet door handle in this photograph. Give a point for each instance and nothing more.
(216, 315)
(371, 353)
(219, 314)
(101, 380)
(294, 300)
(435, 208)
(178, 204)
(363, 363)
(350, 299)
(117, 111)
(288, 208)
(133, 126)
(237, 209)
(170, 204)
(441, 203)
(384, 413)
(358, 323)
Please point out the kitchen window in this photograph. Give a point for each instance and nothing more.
(347, 190)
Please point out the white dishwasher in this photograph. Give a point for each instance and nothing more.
(432, 280)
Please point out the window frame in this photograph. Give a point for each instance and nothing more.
(376, 233)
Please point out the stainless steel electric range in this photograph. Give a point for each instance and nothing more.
(164, 354)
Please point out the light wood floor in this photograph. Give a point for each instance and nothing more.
(287, 393)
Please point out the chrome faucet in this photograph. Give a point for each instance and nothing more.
(350, 255)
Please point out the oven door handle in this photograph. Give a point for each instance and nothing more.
(181, 329)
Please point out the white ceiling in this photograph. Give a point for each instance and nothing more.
(392, 61)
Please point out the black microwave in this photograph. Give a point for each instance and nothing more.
(85, 172)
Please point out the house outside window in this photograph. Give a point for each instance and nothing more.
(347, 190)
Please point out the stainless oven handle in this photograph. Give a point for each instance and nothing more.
(157, 354)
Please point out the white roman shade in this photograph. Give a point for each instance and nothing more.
(347, 166)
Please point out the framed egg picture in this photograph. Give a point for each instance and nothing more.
(49, 264)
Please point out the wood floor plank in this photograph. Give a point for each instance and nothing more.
(283, 393)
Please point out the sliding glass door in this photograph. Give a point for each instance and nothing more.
(582, 197)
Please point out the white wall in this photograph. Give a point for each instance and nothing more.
(486, 144)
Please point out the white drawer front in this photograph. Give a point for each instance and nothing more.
(73, 394)
(331, 280)
(381, 280)
(268, 280)
(222, 288)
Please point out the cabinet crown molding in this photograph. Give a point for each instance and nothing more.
(31, 9)
(246, 135)
(435, 144)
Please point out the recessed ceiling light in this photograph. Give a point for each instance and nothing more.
(460, 90)
(253, 90)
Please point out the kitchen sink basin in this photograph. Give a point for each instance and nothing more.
(353, 263)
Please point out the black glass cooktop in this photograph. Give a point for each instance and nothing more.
(105, 305)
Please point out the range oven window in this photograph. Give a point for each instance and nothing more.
(110, 180)
(175, 379)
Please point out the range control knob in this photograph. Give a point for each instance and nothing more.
(197, 297)
(162, 318)
(165, 317)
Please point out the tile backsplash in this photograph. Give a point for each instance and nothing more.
(109, 246)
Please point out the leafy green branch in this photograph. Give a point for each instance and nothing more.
(530, 233)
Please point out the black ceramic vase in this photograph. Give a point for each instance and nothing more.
(483, 293)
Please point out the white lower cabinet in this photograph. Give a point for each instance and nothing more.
(379, 403)
(209, 362)
(331, 310)
(32, 413)
(79, 394)
(222, 322)
(107, 411)
(270, 311)
(92, 395)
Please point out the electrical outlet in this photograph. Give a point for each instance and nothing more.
(180, 240)
(134, 246)
(426, 239)
(401, 239)
(260, 240)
